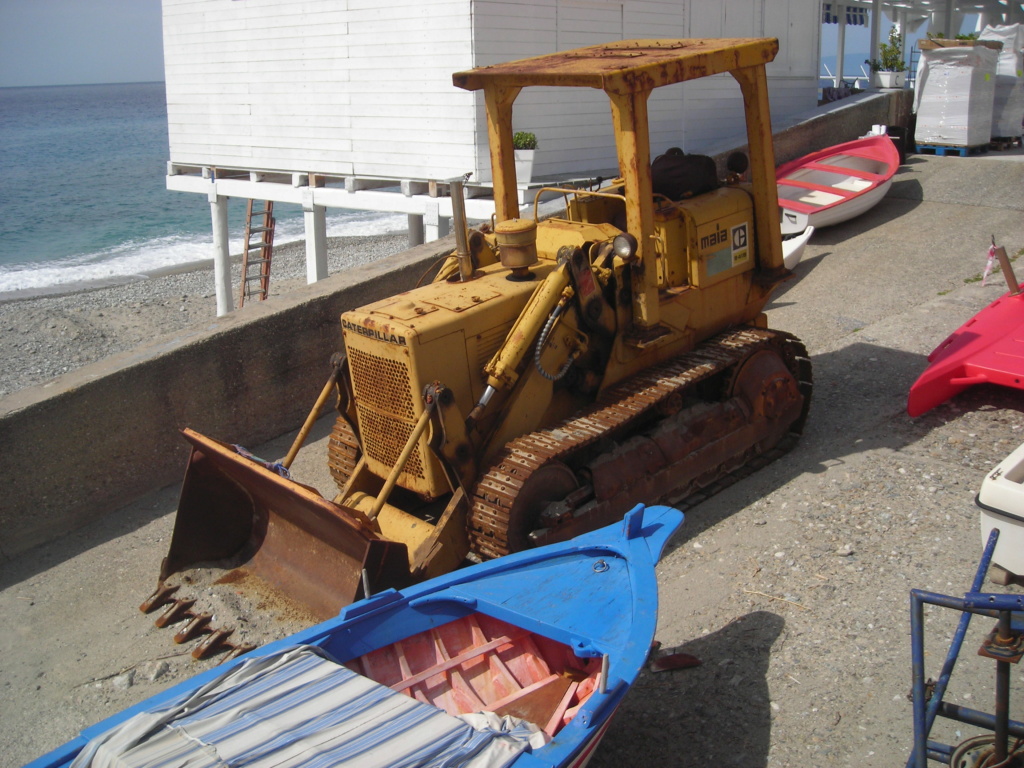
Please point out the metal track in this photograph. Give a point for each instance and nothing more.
(615, 412)
(342, 452)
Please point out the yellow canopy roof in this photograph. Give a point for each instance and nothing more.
(626, 66)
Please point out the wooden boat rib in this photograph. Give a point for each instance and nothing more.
(479, 663)
(838, 183)
(519, 661)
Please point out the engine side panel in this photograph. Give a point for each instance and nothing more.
(439, 332)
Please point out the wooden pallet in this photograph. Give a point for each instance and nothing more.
(942, 150)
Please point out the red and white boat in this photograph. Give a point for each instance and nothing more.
(838, 183)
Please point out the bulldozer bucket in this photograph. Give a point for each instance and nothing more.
(237, 513)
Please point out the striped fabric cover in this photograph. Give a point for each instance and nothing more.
(297, 708)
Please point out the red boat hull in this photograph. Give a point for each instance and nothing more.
(837, 183)
(987, 349)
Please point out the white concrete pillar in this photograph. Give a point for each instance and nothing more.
(876, 26)
(415, 229)
(221, 254)
(435, 225)
(315, 217)
(901, 22)
(840, 45)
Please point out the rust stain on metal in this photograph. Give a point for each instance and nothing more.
(626, 66)
(615, 411)
(178, 610)
(195, 627)
(162, 595)
(212, 644)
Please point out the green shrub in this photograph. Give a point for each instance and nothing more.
(890, 54)
(524, 140)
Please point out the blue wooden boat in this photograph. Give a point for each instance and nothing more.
(518, 661)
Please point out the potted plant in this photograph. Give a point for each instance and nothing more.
(524, 144)
(889, 68)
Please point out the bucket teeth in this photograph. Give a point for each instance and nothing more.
(160, 597)
(196, 626)
(211, 644)
(175, 612)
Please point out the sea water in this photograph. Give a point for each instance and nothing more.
(83, 195)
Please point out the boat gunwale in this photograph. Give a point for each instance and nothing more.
(848, 148)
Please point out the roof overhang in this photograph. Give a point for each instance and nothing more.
(1011, 10)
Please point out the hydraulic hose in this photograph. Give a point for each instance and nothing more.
(542, 341)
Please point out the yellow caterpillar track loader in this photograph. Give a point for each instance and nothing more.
(553, 374)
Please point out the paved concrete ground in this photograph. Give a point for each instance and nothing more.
(791, 586)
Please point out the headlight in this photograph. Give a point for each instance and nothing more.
(625, 246)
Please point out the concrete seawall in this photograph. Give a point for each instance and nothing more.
(98, 437)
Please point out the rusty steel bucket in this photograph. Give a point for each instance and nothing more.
(236, 513)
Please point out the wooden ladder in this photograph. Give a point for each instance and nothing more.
(258, 253)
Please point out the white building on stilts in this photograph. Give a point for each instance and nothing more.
(349, 104)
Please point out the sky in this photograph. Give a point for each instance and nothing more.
(77, 42)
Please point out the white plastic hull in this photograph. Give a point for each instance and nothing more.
(793, 248)
(1001, 500)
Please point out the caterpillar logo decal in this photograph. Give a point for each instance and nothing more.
(725, 248)
(373, 333)
(740, 251)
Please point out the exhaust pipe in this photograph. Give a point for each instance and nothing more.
(461, 233)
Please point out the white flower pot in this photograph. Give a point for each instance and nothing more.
(889, 79)
(524, 165)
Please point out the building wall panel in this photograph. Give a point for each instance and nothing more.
(319, 86)
(360, 87)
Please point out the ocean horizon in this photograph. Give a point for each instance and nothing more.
(84, 195)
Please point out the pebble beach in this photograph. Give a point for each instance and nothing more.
(791, 587)
(45, 336)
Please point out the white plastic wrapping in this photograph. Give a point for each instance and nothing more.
(1008, 104)
(954, 95)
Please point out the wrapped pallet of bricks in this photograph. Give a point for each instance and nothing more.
(955, 91)
(1008, 105)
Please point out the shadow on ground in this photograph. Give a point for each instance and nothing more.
(662, 721)
(132, 517)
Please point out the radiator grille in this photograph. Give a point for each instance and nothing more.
(385, 437)
(382, 383)
(385, 410)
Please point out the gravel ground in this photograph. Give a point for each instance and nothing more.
(790, 586)
(45, 336)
